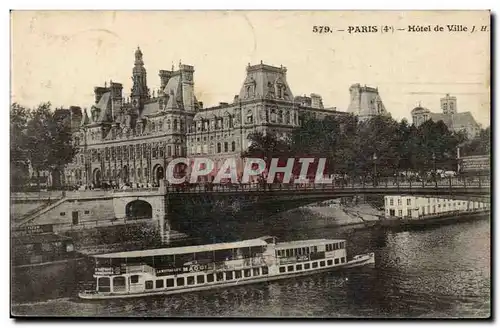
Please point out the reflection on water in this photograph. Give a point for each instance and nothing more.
(436, 272)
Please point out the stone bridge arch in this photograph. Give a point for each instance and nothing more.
(139, 207)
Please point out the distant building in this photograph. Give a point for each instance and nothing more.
(365, 102)
(406, 206)
(449, 104)
(454, 121)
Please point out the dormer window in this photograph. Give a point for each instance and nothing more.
(249, 118)
(250, 88)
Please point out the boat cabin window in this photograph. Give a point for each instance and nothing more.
(342, 244)
(119, 284)
(149, 284)
(220, 276)
(200, 279)
(315, 264)
(170, 282)
(237, 274)
(265, 270)
(134, 279)
(299, 267)
(247, 273)
(210, 277)
(290, 268)
(103, 284)
(180, 281)
(329, 262)
(256, 272)
(322, 263)
(307, 266)
(159, 283)
(282, 269)
(342, 259)
(336, 261)
(229, 275)
(190, 280)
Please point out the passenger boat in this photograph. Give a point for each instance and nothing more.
(193, 268)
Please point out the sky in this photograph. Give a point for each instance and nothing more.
(60, 56)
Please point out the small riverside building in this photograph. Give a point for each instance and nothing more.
(41, 248)
(406, 206)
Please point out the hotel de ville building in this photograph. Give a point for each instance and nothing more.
(132, 140)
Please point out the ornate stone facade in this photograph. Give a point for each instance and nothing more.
(133, 140)
(365, 102)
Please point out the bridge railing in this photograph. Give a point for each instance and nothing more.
(382, 183)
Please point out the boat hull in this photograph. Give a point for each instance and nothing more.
(361, 260)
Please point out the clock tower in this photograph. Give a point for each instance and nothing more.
(140, 91)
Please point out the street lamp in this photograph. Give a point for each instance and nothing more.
(434, 162)
(374, 169)
(434, 167)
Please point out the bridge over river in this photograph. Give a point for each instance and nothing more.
(175, 206)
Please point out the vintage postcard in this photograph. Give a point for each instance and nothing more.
(253, 164)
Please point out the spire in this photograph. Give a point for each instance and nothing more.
(139, 88)
(138, 55)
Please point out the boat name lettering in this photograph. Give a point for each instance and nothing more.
(103, 271)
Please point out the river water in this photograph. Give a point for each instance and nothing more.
(434, 272)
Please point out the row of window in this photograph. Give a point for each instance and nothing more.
(202, 278)
(296, 251)
(175, 126)
(308, 266)
(437, 200)
(156, 150)
(335, 246)
(204, 149)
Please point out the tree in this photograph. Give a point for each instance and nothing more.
(266, 146)
(18, 152)
(435, 143)
(46, 141)
(480, 145)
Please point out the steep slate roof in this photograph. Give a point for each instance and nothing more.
(262, 75)
(455, 121)
(173, 90)
(86, 119)
(104, 105)
(150, 108)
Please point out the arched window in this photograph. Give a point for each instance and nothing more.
(169, 150)
(249, 117)
(226, 147)
(273, 115)
(219, 149)
(175, 125)
(168, 125)
(287, 117)
(152, 126)
(139, 175)
(233, 146)
(280, 116)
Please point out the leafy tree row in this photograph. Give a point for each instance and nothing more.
(40, 138)
(380, 144)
